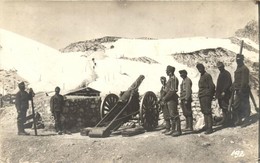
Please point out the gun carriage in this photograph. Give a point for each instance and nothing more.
(116, 110)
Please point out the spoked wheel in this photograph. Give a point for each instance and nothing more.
(107, 104)
(149, 113)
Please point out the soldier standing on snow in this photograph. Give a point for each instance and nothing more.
(22, 105)
(186, 99)
(56, 105)
(170, 99)
(223, 92)
(206, 93)
(242, 90)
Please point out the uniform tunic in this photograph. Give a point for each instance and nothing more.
(185, 96)
(241, 86)
(224, 83)
(171, 96)
(22, 105)
(56, 105)
(206, 92)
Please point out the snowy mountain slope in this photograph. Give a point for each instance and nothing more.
(118, 63)
(43, 67)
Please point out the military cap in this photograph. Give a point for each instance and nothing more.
(21, 84)
(240, 57)
(57, 89)
(220, 64)
(183, 72)
(199, 65)
(170, 68)
(163, 78)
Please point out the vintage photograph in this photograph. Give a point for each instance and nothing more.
(127, 81)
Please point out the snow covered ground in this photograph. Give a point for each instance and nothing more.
(45, 68)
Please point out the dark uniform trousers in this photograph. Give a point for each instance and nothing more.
(186, 108)
(57, 119)
(21, 119)
(173, 115)
(205, 105)
(242, 104)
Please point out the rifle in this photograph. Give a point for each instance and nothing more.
(31, 93)
(253, 100)
(231, 111)
(250, 92)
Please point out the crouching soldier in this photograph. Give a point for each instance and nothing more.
(56, 105)
(170, 99)
(206, 93)
(186, 99)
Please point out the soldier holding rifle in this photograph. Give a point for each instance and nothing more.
(241, 90)
(22, 105)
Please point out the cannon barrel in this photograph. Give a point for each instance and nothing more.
(134, 87)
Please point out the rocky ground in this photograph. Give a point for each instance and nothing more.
(224, 145)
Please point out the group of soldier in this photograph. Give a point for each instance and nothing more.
(169, 99)
(22, 105)
(228, 94)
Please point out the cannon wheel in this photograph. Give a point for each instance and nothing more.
(107, 104)
(149, 113)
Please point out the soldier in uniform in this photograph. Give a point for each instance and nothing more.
(223, 92)
(22, 105)
(164, 108)
(241, 87)
(186, 99)
(206, 93)
(56, 105)
(170, 99)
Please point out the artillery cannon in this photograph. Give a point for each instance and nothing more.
(116, 110)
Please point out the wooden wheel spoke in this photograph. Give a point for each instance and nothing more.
(149, 111)
(107, 104)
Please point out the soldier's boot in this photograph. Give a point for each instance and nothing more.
(178, 131)
(225, 119)
(19, 128)
(187, 123)
(237, 119)
(190, 124)
(167, 126)
(210, 124)
(21, 131)
(173, 126)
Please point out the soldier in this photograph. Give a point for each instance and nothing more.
(186, 99)
(56, 105)
(241, 87)
(223, 92)
(170, 99)
(164, 108)
(22, 105)
(206, 93)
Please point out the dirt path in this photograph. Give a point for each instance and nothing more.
(228, 145)
(225, 145)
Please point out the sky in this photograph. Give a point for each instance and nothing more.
(57, 24)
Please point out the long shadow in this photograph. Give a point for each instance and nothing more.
(250, 120)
